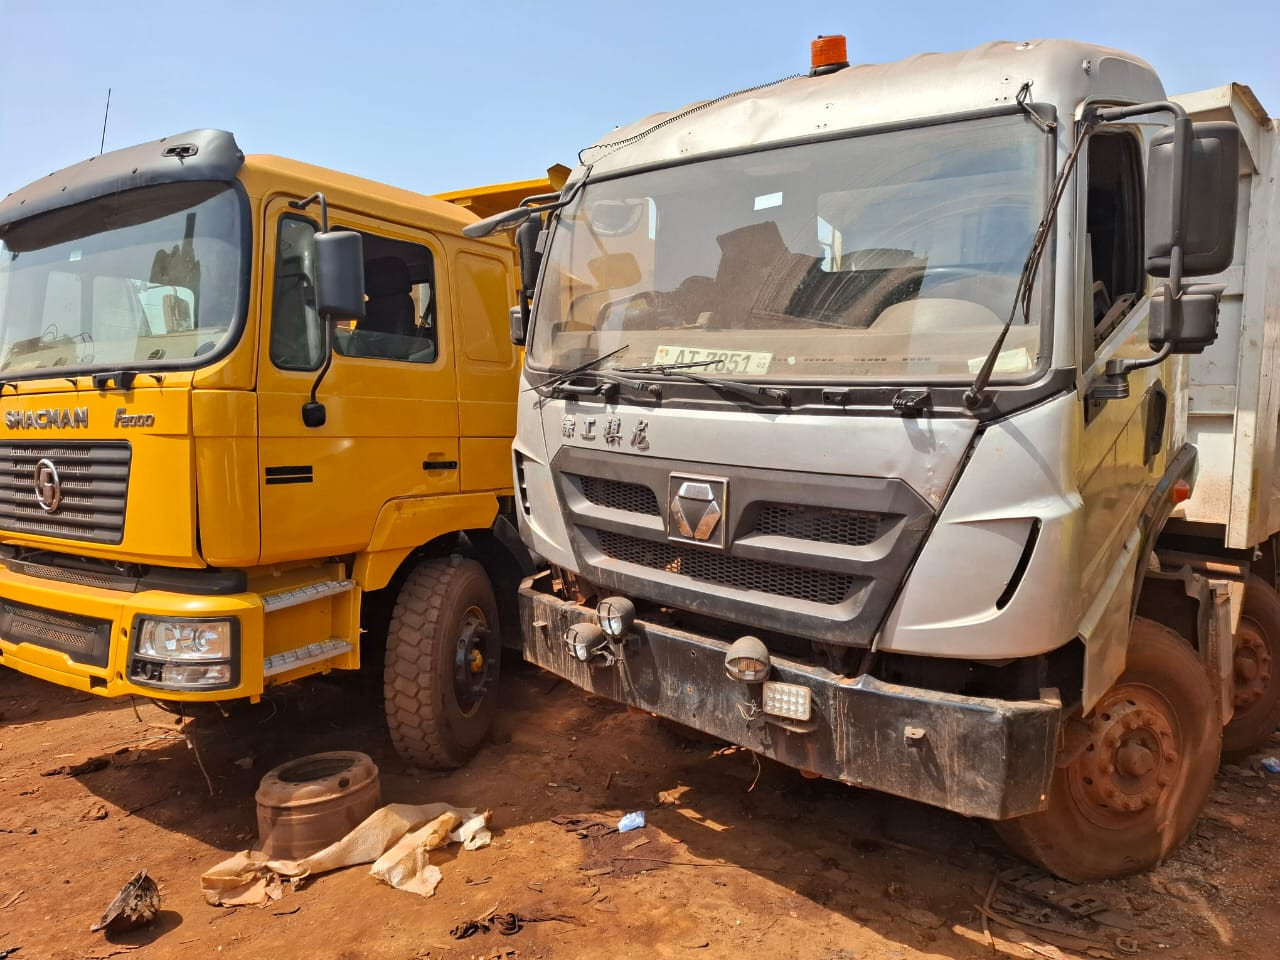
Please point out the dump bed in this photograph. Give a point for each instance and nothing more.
(1233, 411)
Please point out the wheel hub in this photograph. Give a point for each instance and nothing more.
(470, 665)
(1252, 665)
(1131, 756)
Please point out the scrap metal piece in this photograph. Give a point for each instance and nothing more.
(135, 905)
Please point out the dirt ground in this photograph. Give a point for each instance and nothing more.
(737, 859)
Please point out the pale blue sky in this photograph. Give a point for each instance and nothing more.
(437, 96)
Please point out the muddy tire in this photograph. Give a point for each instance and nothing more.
(1257, 671)
(1139, 772)
(443, 660)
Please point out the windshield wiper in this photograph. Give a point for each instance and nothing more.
(756, 394)
(568, 375)
(977, 392)
(607, 381)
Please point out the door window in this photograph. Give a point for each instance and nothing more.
(400, 308)
(1114, 228)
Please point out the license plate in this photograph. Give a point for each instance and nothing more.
(717, 361)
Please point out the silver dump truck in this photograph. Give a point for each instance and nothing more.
(914, 424)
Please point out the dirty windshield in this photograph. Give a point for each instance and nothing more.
(148, 277)
(893, 255)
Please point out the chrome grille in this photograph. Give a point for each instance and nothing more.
(619, 495)
(95, 484)
(798, 583)
(852, 528)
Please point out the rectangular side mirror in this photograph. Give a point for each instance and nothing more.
(519, 325)
(1189, 323)
(1210, 195)
(339, 272)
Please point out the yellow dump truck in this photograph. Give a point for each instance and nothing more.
(250, 407)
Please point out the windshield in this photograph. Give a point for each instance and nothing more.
(146, 277)
(894, 255)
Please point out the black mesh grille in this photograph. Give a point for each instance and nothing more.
(83, 639)
(94, 481)
(853, 528)
(619, 495)
(814, 586)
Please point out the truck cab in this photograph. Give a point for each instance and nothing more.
(209, 474)
(863, 407)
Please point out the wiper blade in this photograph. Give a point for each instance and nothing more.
(568, 375)
(977, 392)
(756, 394)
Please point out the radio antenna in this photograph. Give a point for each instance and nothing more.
(103, 142)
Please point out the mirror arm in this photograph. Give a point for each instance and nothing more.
(313, 412)
(324, 208)
(1182, 137)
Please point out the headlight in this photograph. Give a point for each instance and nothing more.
(617, 615)
(184, 641)
(747, 660)
(185, 654)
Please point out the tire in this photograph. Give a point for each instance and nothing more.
(443, 662)
(1257, 680)
(1158, 730)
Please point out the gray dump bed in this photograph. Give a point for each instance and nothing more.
(1234, 401)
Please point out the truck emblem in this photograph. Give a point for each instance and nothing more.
(48, 486)
(588, 428)
(613, 431)
(697, 506)
(566, 427)
(60, 418)
(639, 440)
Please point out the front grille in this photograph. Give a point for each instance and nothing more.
(619, 495)
(95, 483)
(853, 528)
(798, 583)
(83, 639)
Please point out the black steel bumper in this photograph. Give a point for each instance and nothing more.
(978, 757)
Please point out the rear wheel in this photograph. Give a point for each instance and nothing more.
(1136, 772)
(443, 661)
(1257, 680)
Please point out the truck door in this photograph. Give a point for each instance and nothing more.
(390, 396)
(1123, 441)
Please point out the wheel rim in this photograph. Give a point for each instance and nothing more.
(1131, 759)
(472, 660)
(1252, 666)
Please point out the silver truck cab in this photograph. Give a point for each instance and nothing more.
(821, 461)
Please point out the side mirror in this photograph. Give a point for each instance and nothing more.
(519, 325)
(1209, 197)
(530, 254)
(1188, 323)
(339, 272)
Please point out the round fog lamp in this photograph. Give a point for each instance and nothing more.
(747, 660)
(584, 638)
(616, 615)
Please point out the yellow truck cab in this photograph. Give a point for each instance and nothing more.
(211, 470)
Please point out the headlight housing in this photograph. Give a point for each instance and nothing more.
(179, 653)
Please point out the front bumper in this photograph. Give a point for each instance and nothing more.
(978, 757)
(103, 619)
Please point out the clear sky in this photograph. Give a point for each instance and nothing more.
(437, 96)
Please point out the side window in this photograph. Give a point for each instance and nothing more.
(400, 304)
(1114, 228)
(297, 337)
(484, 294)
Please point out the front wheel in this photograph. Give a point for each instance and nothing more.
(1137, 771)
(443, 660)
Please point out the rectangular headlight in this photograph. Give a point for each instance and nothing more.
(788, 700)
(183, 640)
